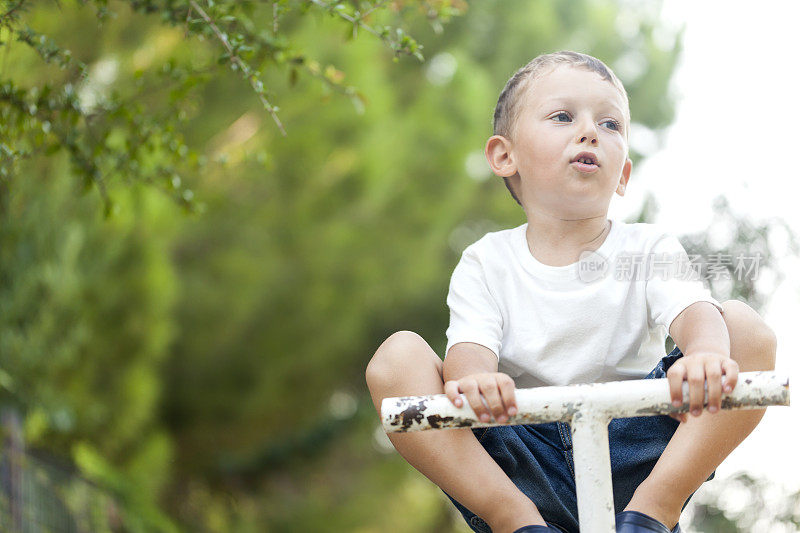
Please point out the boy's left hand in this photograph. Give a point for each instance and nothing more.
(696, 369)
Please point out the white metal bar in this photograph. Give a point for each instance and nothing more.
(588, 409)
(617, 399)
(593, 471)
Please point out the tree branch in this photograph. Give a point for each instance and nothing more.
(241, 64)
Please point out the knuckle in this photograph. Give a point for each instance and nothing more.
(508, 389)
(675, 373)
(502, 379)
(696, 379)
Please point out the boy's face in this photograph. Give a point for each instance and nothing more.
(565, 112)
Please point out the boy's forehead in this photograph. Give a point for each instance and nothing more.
(571, 85)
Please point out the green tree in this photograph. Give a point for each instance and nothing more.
(103, 93)
(119, 122)
(85, 316)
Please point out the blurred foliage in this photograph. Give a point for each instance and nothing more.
(207, 364)
(113, 119)
(744, 504)
(85, 316)
(745, 238)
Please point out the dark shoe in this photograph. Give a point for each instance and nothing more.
(537, 528)
(636, 522)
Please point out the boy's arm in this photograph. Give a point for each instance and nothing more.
(471, 369)
(700, 333)
(465, 358)
(700, 328)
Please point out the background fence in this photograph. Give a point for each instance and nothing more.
(40, 495)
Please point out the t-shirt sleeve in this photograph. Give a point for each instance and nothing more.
(673, 284)
(474, 313)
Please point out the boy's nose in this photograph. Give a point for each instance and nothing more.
(587, 132)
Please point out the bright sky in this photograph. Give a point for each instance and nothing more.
(737, 132)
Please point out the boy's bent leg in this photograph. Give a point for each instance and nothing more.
(453, 459)
(701, 443)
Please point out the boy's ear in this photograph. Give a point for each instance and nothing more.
(626, 175)
(498, 154)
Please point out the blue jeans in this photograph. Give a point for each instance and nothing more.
(538, 459)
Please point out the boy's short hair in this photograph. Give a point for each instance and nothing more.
(507, 110)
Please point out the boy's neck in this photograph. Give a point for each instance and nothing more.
(559, 242)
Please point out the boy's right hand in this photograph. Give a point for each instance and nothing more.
(496, 387)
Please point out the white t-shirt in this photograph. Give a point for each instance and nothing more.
(603, 318)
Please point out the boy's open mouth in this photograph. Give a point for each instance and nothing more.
(585, 162)
(585, 157)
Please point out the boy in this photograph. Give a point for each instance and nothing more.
(545, 304)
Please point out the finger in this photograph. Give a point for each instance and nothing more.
(676, 374)
(731, 369)
(507, 387)
(696, 377)
(714, 384)
(680, 417)
(473, 395)
(492, 394)
(452, 392)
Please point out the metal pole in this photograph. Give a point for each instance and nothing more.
(588, 408)
(593, 471)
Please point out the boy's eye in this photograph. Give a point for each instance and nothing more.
(566, 118)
